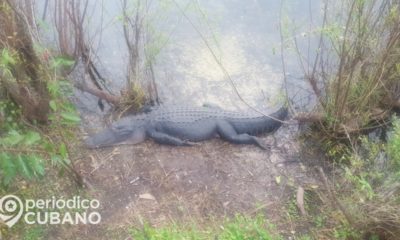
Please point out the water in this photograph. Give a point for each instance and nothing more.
(244, 36)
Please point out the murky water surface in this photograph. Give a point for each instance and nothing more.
(244, 36)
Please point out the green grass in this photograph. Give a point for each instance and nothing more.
(238, 228)
(393, 146)
(34, 233)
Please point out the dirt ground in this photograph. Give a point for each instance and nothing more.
(159, 184)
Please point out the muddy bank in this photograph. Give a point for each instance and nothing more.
(161, 184)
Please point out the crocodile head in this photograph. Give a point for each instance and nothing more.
(124, 131)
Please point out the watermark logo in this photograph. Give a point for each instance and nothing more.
(49, 211)
(11, 209)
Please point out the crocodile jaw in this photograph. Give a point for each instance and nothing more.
(105, 138)
(110, 137)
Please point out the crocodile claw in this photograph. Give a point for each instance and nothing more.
(264, 147)
(260, 144)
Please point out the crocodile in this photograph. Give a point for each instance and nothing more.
(184, 126)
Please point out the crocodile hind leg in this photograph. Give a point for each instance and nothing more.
(227, 132)
(164, 138)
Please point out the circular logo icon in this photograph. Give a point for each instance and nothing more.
(11, 209)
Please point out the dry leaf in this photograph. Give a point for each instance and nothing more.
(147, 196)
(278, 179)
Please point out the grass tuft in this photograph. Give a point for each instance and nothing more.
(238, 228)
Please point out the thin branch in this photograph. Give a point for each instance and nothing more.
(46, 3)
(283, 60)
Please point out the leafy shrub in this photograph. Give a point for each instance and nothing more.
(24, 148)
(20, 157)
(371, 192)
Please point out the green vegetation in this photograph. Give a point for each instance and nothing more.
(354, 74)
(238, 228)
(375, 197)
(366, 185)
(26, 147)
(34, 233)
(393, 146)
(37, 119)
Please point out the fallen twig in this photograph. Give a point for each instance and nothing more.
(300, 200)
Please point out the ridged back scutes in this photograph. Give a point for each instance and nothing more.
(192, 114)
(132, 121)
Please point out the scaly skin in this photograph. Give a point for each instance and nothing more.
(182, 126)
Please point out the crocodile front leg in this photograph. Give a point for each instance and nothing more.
(227, 132)
(164, 138)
